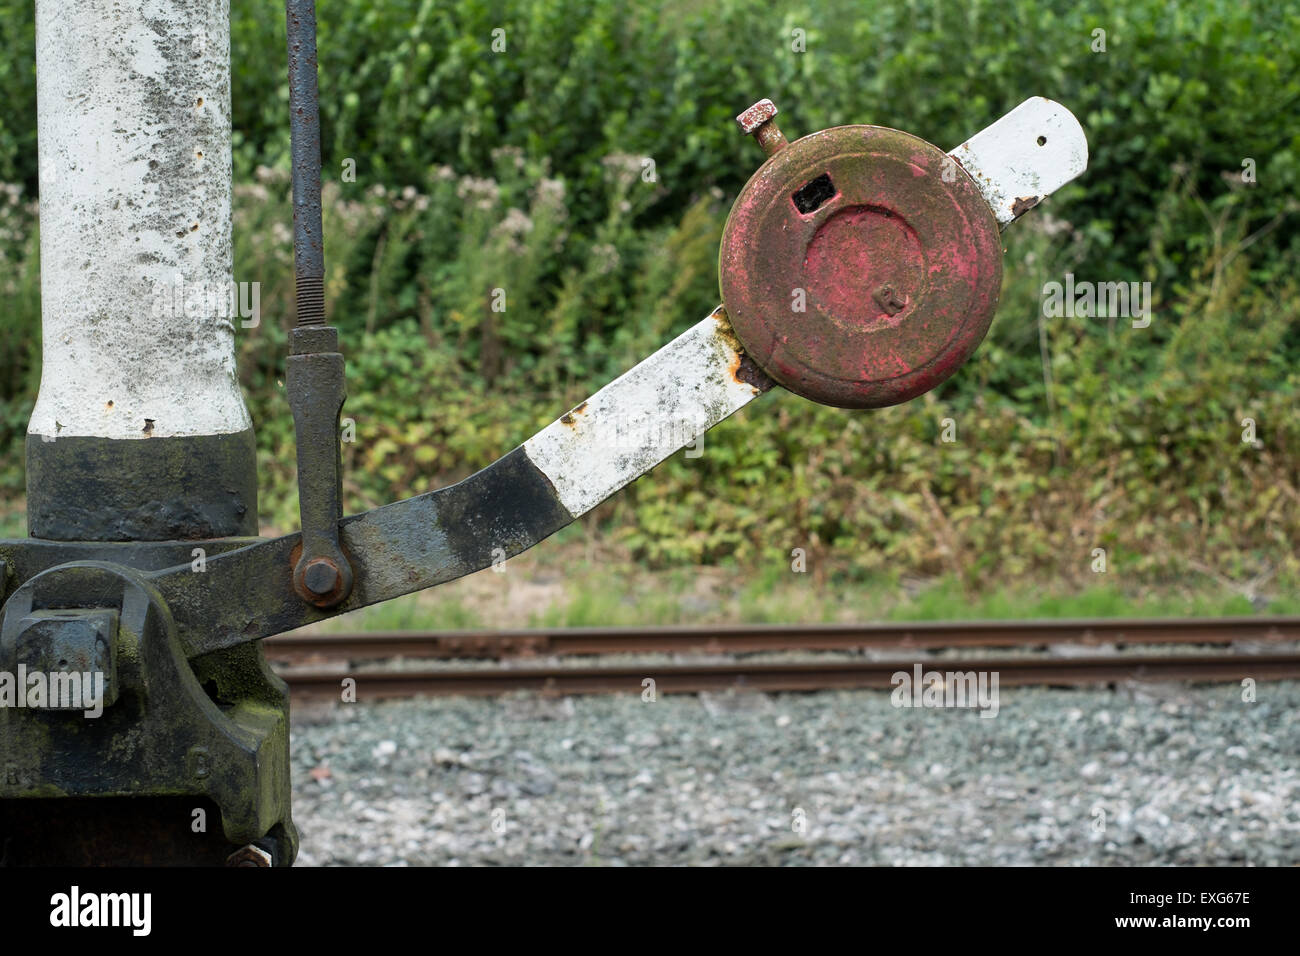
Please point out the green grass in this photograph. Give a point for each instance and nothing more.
(414, 612)
(947, 601)
(615, 595)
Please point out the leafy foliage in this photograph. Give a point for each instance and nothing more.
(585, 172)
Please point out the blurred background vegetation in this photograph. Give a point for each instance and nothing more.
(523, 170)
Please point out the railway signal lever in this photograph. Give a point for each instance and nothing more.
(860, 267)
(891, 245)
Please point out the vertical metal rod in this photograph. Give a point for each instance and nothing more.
(314, 371)
(304, 150)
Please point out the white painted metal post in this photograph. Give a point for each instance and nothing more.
(140, 430)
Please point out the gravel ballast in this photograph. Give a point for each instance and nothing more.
(1140, 774)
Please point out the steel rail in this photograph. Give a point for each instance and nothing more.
(767, 677)
(758, 638)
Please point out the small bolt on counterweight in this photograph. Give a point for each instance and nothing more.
(757, 122)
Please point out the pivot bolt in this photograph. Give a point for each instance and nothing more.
(321, 577)
(757, 122)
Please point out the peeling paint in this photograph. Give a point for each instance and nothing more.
(1023, 205)
(570, 417)
(644, 415)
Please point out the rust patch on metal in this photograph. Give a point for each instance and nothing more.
(746, 371)
(568, 417)
(1023, 205)
(742, 368)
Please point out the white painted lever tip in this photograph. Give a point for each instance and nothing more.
(1024, 157)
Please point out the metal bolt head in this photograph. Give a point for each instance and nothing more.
(250, 855)
(321, 576)
(73, 640)
(756, 116)
(757, 121)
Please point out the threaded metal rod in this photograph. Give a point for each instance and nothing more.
(304, 151)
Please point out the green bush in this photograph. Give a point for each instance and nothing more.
(525, 171)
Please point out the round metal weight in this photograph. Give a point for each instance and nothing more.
(860, 266)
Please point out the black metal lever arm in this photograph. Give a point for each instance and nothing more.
(625, 429)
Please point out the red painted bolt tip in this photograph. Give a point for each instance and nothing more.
(756, 116)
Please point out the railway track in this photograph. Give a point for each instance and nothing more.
(827, 675)
(760, 638)
(306, 659)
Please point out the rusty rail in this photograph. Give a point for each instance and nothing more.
(837, 675)
(747, 639)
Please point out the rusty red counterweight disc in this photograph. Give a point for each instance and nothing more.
(886, 245)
